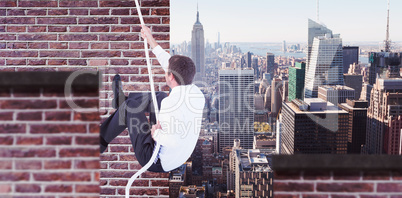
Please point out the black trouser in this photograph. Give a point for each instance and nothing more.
(131, 115)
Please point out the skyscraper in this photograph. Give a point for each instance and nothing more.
(336, 94)
(314, 29)
(384, 117)
(325, 67)
(296, 81)
(198, 49)
(236, 107)
(256, 68)
(380, 62)
(270, 64)
(350, 56)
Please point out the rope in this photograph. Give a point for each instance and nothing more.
(151, 80)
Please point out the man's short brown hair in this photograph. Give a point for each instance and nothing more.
(182, 68)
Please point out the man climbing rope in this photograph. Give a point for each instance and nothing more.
(180, 114)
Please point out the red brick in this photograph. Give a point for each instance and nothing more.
(16, 12)
(119, 62)
(19, 152)
(120, 29)
(161, 28)
(139, 191)
(121, 12)
(16, 62)
(373, 196)
(98, 20)
(78, 37)
(16, 45)
(28, 104)
(20, 20)
(149, 174)
(57, 62)
(7, 37)
(36, 12)
(151, 3)
(8, 3)
(134, 54)
(58, 20)
(62, 176)
(81, 188)
(100, 28)
(29, 140)
(118, 165)
(99, 45)
(79, 29)
(135, 166)
(165, 20)
(79, 152)
(73, 54)
(345, 187)
(87, 54)
(122, 3)
(37, 4)
(69, 3)
(57, 164)
(136, 28)
(99, 12)
(58, 140)
(144, 11)
(83, 103)
(16, 28)
(37, 62)
(6, 116)
(93, 128)
(87, 164)
(28, 165)
(87, 140)
(58, 115)
(5, 188)
(342, 196)
(58, 128)
(137, 45)
(78, 12)
(3, 45)
(152, 20)
(160, 11)
(6, 164)
(59, 188)
(130, 20)
(6, 140)
(108, 157)
(57, 29)
(37, 37)
(29, 116)
(12, 128)
(377, 175)
(164, 191)
(80, 45)
(389, 187)
(119, 37)
(58, 45)
(117, 174)
(137, 182)
(27, 188)
(293, 186)
(36, 28)
(3, 12)
(14, 176)
(159, 183)
(86, 116)
(57, 12)
(107, 191)
(119, 46)
(38, 45)
(18, 54)
(161, 36)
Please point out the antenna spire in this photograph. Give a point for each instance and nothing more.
(387, 41)
(198, 15)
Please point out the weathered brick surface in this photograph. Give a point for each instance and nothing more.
(336, 183)
(69, 35)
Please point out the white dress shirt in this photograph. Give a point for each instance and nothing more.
(180, 118)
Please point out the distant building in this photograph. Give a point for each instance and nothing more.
(296, 81)
(270, 65)
(336, 94)
(256, 68)
(381, 61)
(313, 126)
(357, 111)
(198, 49)
(248, 60)
(236, 106)
(254, 176)
(177, 178)
(350, 56)
(232, 165)
(276, 96)
(355, 82)
(366, 91)
(314, 29)
(263, 141)
(384, 120)
(192, 192)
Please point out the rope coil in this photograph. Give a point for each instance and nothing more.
(155, 103)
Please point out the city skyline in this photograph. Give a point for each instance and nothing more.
(275, 21)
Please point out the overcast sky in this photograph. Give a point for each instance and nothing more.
(278, 20)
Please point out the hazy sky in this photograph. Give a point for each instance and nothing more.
(278, 20)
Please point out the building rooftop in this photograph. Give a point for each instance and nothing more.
(315, 105)
(335, 87)
(255, 160)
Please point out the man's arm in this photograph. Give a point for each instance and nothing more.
(162, 56)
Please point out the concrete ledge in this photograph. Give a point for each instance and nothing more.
(336, 162)
(78, 79)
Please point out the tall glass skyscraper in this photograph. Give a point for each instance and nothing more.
(325, 60)
(236, 107)
(314, 29)
(198, 49)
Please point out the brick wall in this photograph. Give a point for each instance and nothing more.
(46, 148)
(103, 35)
(380, 179)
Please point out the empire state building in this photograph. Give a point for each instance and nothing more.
(198, 50)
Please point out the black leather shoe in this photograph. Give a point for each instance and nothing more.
(118, 94)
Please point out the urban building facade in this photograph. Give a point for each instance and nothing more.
(270, 65)
(296, 81)
(350, 56)
(336, 94)
(384, 64)
(314, 29)
(355, 82)
(198, 49)
(313, 126)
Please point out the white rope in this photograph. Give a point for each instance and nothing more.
(151, 80)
